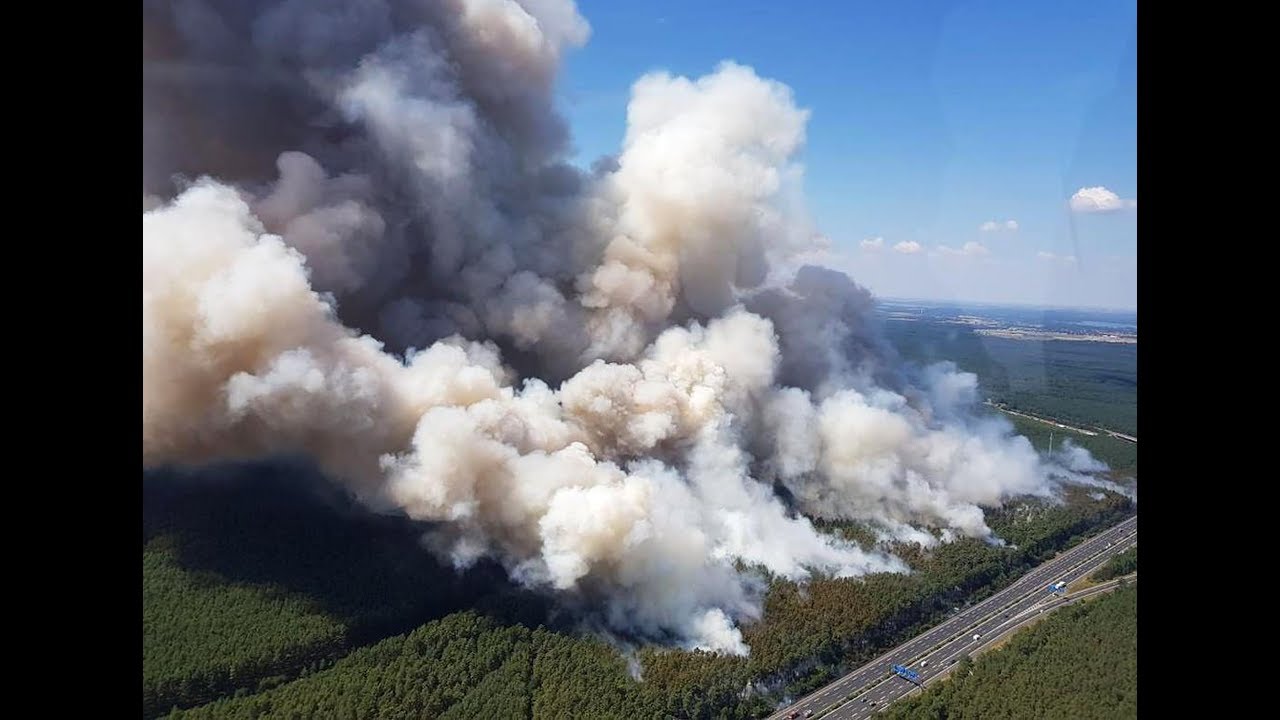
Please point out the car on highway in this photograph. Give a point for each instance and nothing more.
(976, 636)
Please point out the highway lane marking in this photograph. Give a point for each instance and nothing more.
(1083, 549)
(991, 618)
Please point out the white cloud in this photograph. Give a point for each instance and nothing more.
(994, 225)
(971, 249)
(1099, 200)
(909, 247)
(1050, 257)
(873, 244)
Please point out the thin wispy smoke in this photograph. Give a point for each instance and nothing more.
(362, 242)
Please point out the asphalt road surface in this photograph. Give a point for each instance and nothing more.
(941, 646)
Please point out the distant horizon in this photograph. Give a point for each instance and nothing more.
(987, 303)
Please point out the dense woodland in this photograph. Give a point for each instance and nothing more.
(1120, 455)
(1122, 564)
(284, 601)
(1085, 383)
(1080, 663)
(463, 666)
(255, 575)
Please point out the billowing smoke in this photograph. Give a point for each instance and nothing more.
(361, 242)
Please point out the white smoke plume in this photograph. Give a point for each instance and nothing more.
(361, 243)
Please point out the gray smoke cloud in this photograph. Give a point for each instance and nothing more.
(361, 242)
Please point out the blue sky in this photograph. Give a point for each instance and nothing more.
(928, 119)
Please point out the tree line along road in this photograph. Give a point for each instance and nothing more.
(941, 645)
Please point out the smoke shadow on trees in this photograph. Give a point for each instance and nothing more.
(280, 523)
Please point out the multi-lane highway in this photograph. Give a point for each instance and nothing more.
(941, 660)
(930, 654)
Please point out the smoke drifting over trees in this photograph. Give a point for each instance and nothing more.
(362, 243)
